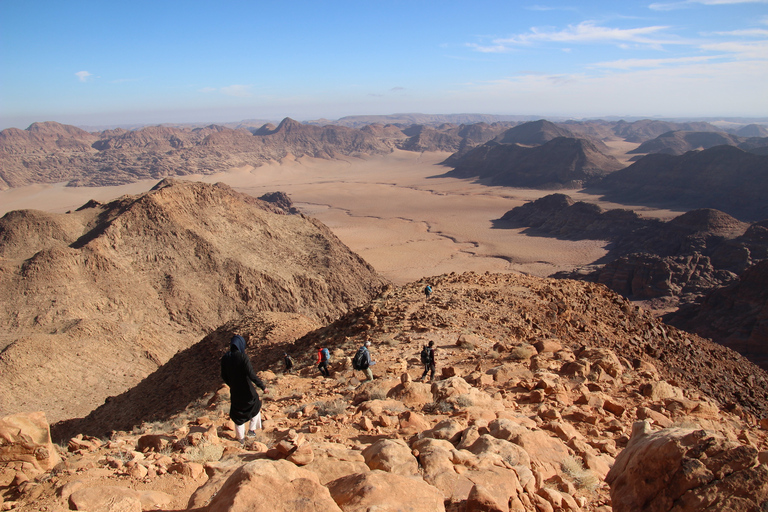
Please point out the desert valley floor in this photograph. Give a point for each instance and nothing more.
(392, 210)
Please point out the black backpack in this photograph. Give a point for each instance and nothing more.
(426, 354)
(360, 362)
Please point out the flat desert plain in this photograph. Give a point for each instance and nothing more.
(392, 210)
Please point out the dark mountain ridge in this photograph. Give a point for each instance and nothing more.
(725, 178)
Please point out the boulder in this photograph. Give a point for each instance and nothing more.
(688, 469)
(106, 498)
(26, 437)
(275, 486)
(391, 455)
(444, 389)
(333, 461)
(380, 490)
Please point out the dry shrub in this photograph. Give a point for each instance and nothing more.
(205, 452)
(582, 478)
(331, 408)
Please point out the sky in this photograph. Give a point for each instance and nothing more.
(119, 62)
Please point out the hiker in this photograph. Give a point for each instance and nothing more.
(362, 361)
(288, 361)
(237, 372)
(428, 291)
(323, 356)
(428, 360)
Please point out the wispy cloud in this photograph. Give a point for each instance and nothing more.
(83, 76)
(670, 6)
(238, 91)
(649, 63)
(587, 32)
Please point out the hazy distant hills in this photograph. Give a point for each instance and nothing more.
(723, 177)
(113, 290)
(679, 142)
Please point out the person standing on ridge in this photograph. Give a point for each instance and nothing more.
(237, 372)
(428, 360)
(323, 356)
(428, 291)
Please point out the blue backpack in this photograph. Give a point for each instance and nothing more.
(326, 355)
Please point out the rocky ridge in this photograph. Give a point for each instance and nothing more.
(666, 265)
(725, 178)
(550, 395)
(561, 162)
(96, 299)
(679, 142)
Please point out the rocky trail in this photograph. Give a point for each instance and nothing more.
(550, 395)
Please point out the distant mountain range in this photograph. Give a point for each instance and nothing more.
(713, 169)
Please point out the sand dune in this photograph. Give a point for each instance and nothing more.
(390, 209)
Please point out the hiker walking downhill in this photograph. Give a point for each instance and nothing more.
(428, 360)
(288, 361)
(428, 291)
(323, 356)
(362, 361)
(237, 372)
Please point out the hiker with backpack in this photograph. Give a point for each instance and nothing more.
(362, 361)
(323, 356)
(237, 372)
(428, 291)
(288, 361)
(428, 360)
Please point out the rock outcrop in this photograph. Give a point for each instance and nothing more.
(559, 163)
(725, 178)
(686, 470)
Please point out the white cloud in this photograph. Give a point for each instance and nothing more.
(587, 32)
(688, 3)
(83, 76)
(698, 88)
(649, 63)
(757, 50)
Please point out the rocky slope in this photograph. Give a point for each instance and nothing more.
(550, 395)
(666, 265)
(95, 300)
(724, 178)
(680, 142)
(561, 162)
(735, 315)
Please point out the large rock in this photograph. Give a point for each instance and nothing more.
(385, 492)
(265, 485)
(686, 470)
(391, 455)
(26, 437)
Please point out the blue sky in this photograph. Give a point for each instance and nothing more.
(120, 62)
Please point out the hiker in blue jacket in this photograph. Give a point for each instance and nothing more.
(362, 361)
(237, 372)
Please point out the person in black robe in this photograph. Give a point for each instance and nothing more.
(237, 372)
